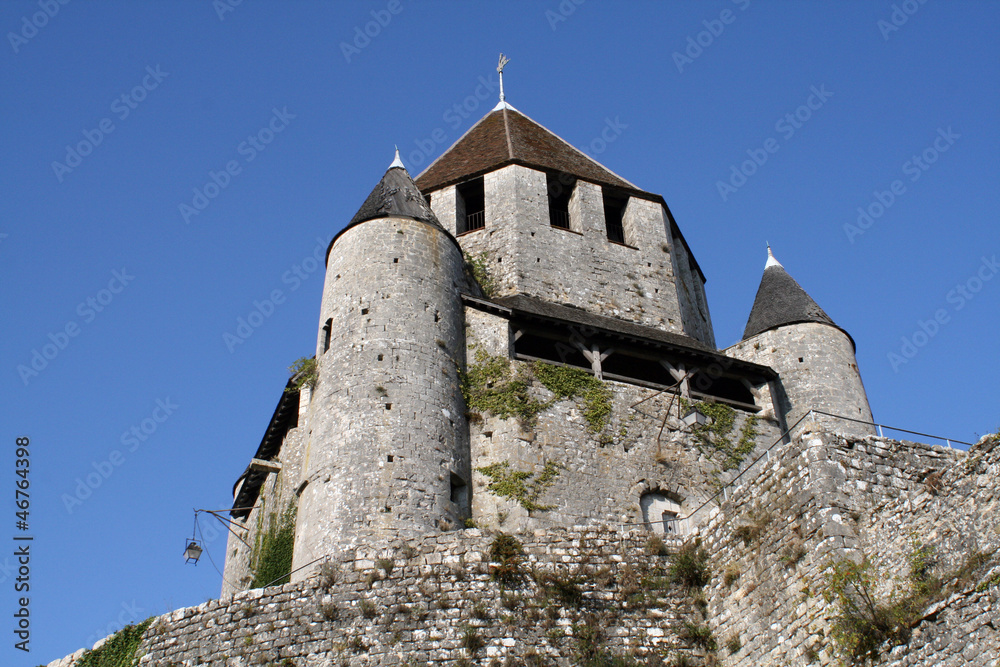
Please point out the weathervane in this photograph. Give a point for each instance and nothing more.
(500, 66)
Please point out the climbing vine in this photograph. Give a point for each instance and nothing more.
(520, 485)
(478, 266)
(304, 373)
(717, 434)
(492, 385)
(572, 382)
(272, 553)
(119, 650)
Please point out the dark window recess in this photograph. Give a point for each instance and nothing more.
(459, 490)
(471, 205)
(532, 345)
(364, 311)
(559, 190)
(327, 330)
(388, 406)
(721, 387)
(389, 458)
(428, 198)
(644, 370)
(614, 215)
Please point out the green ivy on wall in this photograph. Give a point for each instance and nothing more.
(493, 385)
(519, 485)
(119, 650)
(573, 382)
(272, 554)
(478, 266)
(718, 433)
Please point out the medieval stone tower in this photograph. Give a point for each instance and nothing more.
(521, 339)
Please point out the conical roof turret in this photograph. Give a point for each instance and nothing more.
(781, 301)
(396, 195)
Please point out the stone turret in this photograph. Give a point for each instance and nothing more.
(814, 358)
(388, 447)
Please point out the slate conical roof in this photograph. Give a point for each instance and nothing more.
(506, 136)
(395, 195)
(781, 301)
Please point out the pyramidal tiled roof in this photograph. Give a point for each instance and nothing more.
(506, 136)
(780, 301)
(395, 195)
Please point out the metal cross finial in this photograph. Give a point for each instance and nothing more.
(503, 61)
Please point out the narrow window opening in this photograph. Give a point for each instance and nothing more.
(459, 490)
(614, 215)
(364, 311)
(437, 316)
(395, 260)
(428, 198)
(389, 458)
(327, 330)
(471, 205)
(388, 406)
(800, 360)
(380, 357)
(559, 189)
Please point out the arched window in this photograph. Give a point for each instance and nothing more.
(659, 513)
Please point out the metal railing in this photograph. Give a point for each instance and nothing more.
(784, 438)
(476, 220)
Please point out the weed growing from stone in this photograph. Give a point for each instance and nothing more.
(119, 650)
(507, 552)
(689, 566)
(304, 372)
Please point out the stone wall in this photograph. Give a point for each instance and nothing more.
(600, 475)
(432, 601)
(818, 371)
(638, 281)
(827, 497)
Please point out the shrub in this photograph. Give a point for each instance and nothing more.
(471, 641)
(507, 552)
(304, 373)
(368, 608)
(689, 566)
(699, 635)
(731, 574)
(655, 546)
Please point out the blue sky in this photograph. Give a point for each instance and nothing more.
(887, 107)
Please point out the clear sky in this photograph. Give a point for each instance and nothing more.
(115, 113)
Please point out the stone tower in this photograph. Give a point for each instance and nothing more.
(387, 451)
(813, 356)
(556, 225)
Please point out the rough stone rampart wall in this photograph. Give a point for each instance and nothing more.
(826, 497)
(428, 600)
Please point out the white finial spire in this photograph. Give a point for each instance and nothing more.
(397, 162)
(502, 103)
(771, 261)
